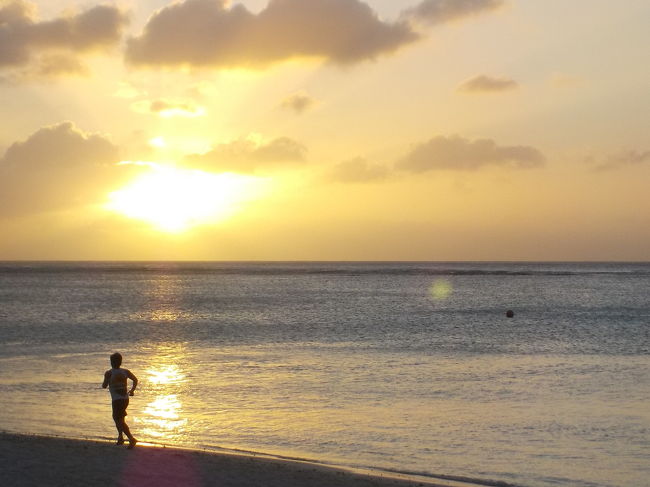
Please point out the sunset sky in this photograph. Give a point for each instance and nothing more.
(325, 130)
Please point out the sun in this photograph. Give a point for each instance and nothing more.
(174, 200)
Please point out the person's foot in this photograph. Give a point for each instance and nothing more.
(120, 441)
(132, 443)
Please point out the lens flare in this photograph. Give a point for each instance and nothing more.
(440, 289)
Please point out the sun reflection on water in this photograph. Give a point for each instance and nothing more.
(164, 315)
(164, 418)
(166, 374)
(164, 303)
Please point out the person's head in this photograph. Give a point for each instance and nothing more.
(116, 360)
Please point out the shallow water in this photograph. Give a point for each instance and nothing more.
(410, 367)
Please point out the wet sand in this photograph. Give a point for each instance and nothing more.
(27, 460)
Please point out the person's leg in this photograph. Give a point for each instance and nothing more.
(119, 424)
(125, 427)
(127, 432)
(119, 412)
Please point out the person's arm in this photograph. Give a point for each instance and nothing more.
(134, 379)
(107, 377)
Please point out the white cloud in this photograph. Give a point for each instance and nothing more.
(358, 170)
(209, 33)
(434, 12)
(298, 102)
(167, 108)
(460, 154)
(216, 34)
(487, 84)
(56, 167)
(26, 42)
(127, 90)
(246, 155)
(624, 159)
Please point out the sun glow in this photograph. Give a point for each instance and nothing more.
(174, 199)
(158, 142)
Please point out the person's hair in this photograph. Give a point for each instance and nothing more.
(116, 360)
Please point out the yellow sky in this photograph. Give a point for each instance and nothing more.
(325, 130)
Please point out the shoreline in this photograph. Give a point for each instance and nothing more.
(30, 459)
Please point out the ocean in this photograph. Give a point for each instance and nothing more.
(399, 367)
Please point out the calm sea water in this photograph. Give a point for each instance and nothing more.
(401, 366)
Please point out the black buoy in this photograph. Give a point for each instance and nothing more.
(510, 313)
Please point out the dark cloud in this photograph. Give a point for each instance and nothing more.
(458, 153)
(23, 39)
(358, 170)
(483, 84)
(209, 33)
(57, 167)
(432, 12)
(298, 102)
(624, 159)
(247, 156)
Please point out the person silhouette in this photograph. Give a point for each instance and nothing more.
(116, 380)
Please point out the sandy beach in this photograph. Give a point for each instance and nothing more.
(27, 460)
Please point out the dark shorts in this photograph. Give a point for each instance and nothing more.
(119, 408)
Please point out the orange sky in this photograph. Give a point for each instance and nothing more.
(324, 130)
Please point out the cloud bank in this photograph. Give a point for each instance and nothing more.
(460, 154)
(487, 84)
(246, 156)
(209, 33)
(58, 166)
(24, 40)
